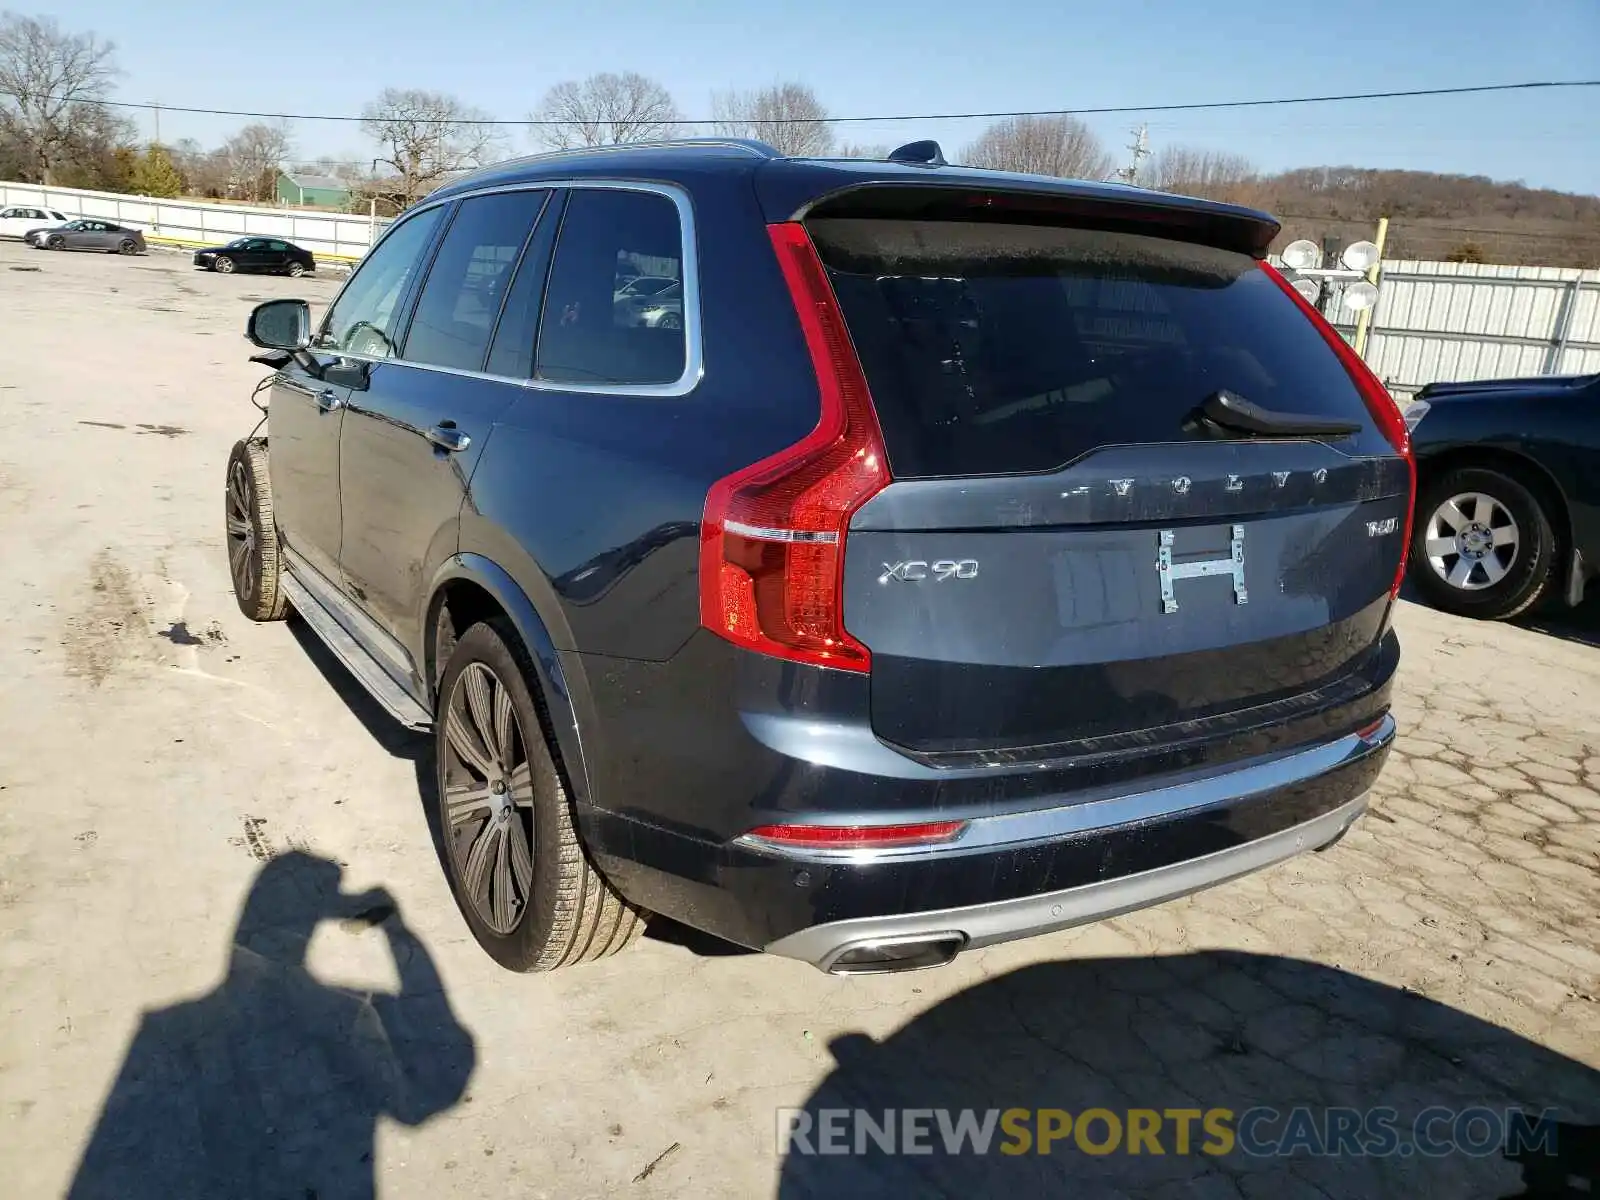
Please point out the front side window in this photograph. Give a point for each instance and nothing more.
(457, 307)
(364, 318)
(595, 330)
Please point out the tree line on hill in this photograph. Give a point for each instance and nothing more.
(56, 128)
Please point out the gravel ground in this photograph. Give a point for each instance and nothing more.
(164, 760)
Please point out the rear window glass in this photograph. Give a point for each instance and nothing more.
(996, 349)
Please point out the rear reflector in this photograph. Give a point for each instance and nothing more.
(1386, 413)
(856, 837)
(772, 540)
(1368, 732)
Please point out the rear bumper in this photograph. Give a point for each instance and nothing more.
(1081, 856)
(857, 947)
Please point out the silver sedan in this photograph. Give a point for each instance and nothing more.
(88, 234)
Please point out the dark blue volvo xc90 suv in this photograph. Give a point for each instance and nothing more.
(958, 556)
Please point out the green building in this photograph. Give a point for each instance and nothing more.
(323, 191)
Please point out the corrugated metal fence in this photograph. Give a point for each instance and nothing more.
(190, 223)
(1461, 321)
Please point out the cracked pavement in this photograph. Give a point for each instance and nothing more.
(160, 749)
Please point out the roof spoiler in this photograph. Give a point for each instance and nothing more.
(1116, 209)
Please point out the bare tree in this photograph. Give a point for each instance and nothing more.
(1213, 174)
(424, 137)
(853, 150)
(605, 110)
(787, 116)
(255, 155)
(1061, 146)
(50, 85)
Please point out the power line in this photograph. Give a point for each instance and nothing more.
(1102, 110)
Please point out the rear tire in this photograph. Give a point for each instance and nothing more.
(1481, 544)
(296, 270)
(252, 534)
(128, 246)
(511, 807)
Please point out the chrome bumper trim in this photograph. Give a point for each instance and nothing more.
(1224, 786)
(1025, 916)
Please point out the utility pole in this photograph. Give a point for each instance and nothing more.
(1140, 146)
(156, 104)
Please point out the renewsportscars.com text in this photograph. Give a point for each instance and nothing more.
(1260, 1131)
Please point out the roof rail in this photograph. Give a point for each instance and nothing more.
(748, 145)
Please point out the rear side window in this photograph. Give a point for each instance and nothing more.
(997, 349)
(460, 300)
(595, 329)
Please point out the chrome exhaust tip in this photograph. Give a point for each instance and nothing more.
(882, 956)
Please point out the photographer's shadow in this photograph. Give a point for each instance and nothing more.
(272, 1085)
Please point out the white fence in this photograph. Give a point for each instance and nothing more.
(191, 223)
(1462, 321)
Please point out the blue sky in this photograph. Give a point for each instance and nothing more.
(876, 56)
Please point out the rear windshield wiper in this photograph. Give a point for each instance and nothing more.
(1234, 413)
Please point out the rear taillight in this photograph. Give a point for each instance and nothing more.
(1385, 412)
(772, 541)
(856, 837)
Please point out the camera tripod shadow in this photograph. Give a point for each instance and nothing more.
(272, 1084)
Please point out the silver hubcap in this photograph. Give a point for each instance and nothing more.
(488, 795)
(241, 533)
(1471, 541)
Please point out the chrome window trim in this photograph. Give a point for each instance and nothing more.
(693, 348)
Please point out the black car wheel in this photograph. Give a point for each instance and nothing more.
(510, 848)
(253, 560)
(296, 269)
(127, 246)
(1481, 544)
(54, 243)
(222, 265)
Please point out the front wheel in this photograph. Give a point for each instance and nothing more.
(222, 265)
(54, 243)
(1482, 545)
(511, 852)
(252, 533)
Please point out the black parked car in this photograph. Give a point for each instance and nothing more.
(256, 254)
(977, 555)
(1508, 493)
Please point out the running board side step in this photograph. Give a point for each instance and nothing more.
(369, 673)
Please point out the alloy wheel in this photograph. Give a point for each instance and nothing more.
(1471, 541)
(488, 798)
(224, 266)
(241, 532)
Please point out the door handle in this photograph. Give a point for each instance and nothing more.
(446, 436)
(328, 400)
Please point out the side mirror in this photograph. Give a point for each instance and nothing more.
(280, 325)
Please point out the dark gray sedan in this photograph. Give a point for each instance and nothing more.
(88, 233)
